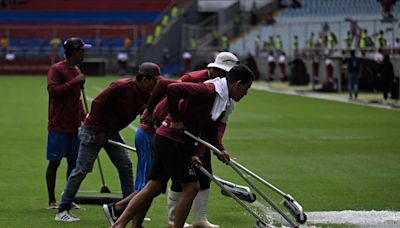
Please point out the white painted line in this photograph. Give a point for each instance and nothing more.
(323, 97)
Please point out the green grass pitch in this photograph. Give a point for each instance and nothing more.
(328, 155)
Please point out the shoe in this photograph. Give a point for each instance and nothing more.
(109, 211)
(52, 205)
(186, 225)
(204, 224)
(66, 216)
(75, 206)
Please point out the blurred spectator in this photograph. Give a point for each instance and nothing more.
(127, 43)
(348, 40)
(4, 43)
(332, 41)
(193, 43)
(149, 39)
(257, 44)
(328, 85)
(378, 56)
(253, 14)
(187, 62)
(165, 20)
(157, 31)
(252, 64)
(269, 44)
(310, 41)
(237, 22)
(380, 41)
(278, 42)
(271, 66)
(55, 44)
(282, 66)
(122, 59)
(386, 74)
(10, 56)
(315, 67)
(363, 39)
(353, 74)
(295, 44)
(174, 11)
(166, 57)
(387, 8)
(225, 42)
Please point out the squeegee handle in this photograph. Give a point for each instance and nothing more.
(121, 145)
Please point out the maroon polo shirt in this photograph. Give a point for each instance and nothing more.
(159, 106)
(65, 110)
(196, 76)
(116, 107)
(193, 111)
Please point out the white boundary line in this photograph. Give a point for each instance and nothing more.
(323, 97)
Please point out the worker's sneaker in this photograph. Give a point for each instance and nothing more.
(66, 216)
(110, 213)
(186, 225)
(204, 224)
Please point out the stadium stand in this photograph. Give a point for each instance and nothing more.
(30, 25)
(312, 15)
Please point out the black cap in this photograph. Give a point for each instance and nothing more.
(75, 43)
(149, 69)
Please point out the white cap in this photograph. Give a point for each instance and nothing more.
(225, 61)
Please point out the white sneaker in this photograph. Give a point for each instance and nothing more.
(66, 216)
(204, 224)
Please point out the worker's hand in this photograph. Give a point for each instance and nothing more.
(196, 161)
(224, 156)
(146, 117)
(80, 78)
(99, 138)
(177, 127)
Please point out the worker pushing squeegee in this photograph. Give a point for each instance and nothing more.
(289, 202)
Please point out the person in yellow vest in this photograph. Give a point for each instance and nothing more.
(278, 42)
(225, 42)
(149, 39)
(348, 39)
(380, 40)
(174, 11)
(331, 42)
(363, 39)
(295, 44)
(157, 30)
(193, 43)
(165, 20)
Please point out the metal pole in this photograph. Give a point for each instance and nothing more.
(104, 188)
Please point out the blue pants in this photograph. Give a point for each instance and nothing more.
(145, 156)
(61, 145)
(352, 84)
(88, 152)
